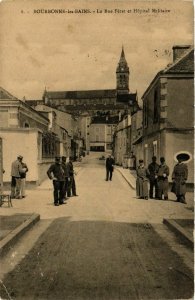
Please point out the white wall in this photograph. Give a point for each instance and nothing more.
(179, 142)
(20, 142)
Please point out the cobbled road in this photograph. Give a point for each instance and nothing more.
(100, 245)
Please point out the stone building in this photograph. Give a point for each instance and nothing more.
(25, 131)
(122, 141)
(66, 127)
(101, 133)
(168, 110)
(92, 103)
(137, 134)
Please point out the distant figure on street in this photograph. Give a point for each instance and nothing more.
(56, 173)
(72, 183)
(142, 181)
(179, 177)
(163, 184)
(132, 161)
(23, 178)
(109, 167)
(16, 170)
(153, 171)
(65, 166)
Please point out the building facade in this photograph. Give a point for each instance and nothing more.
(101, 133)
(137, 135)
(22, 132)
(168, 111)
(122, 141)
(90, 103)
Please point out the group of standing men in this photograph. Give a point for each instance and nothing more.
(158, 178)
(62, 173)
(18, 178)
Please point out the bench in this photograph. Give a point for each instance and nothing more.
(5, 198)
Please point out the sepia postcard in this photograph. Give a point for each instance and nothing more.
(96, 149)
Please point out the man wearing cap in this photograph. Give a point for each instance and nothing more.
(163, 184)
(56, 173)
(16, 170)
(153, 170)
(179, 177)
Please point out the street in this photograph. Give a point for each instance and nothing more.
(103, 244)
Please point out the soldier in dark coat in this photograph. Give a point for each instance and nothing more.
(142, 181)
(56, 173)
(153, 170)
(163, 184)
(109, 167)
(179, 177)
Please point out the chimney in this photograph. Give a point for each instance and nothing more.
(179, 51)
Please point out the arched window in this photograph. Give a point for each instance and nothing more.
(26, 125)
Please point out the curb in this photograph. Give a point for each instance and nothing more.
(180, 232)
(129, 183)
(8, 242)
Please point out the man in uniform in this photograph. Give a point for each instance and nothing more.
(153, 170)
(163, 184)
(109, 167)
(56, 173)
(179, 177)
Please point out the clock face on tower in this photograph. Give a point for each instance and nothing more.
(122, 69)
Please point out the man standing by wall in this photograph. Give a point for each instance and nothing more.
(23, 178)
(179, 177)
(109, 167)
(153, 170)
(16, 170)
(56, 173)
(163, 184)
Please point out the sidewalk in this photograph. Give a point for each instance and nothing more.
(16, 220)
(182, 226)
(128, 175)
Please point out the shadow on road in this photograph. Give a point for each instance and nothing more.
(99, 260)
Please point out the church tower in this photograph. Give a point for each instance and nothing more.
(122, 75)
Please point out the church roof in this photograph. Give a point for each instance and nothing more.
(90, 94)
(122, 62)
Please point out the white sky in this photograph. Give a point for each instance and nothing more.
(81, 51)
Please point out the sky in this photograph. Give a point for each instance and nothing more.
(80, 51)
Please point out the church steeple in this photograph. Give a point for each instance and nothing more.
(122, 75)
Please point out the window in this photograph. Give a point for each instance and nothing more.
(156, 114)
(154, 148)
(26, 125)
(109, 129)
(4, 119)
(97, 138)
